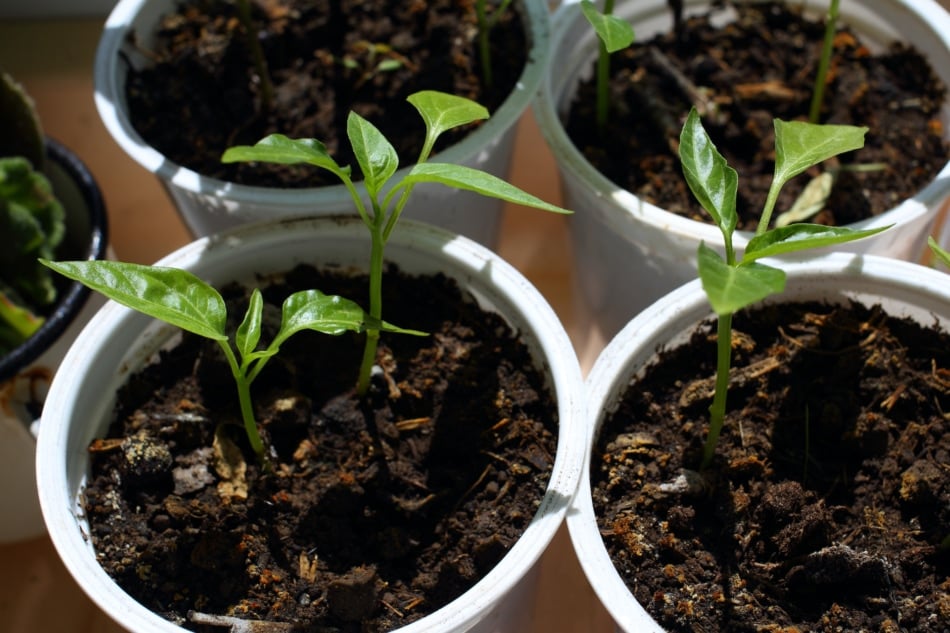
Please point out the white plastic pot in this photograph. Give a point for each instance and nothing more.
(118, 341)
(208, 205)
(903, 289)
(26, 372)
(629, 252)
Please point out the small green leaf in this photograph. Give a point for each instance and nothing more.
(329, 314)
(799, 145)
(731, 288)
(800, 237)
(713, 182)
(375, 155)
(169, 294)
(248, 334)
(442, 111)
(470, 179)
(279, 149)
(940, 253)
(615, 33)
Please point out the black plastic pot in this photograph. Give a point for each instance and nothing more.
(86, 238)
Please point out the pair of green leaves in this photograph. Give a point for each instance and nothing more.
(733, 283)
(183, 300)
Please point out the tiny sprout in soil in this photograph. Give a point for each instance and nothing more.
(735, 282)
(185, 301)
(378, 162)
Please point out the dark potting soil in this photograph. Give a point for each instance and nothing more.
(757, 68)
(196, 93)
(377, 512)
(827, 506)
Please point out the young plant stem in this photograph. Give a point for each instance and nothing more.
(485, 25)
(378, 245)
(603, 77)
(717, 410)
(257, 54)
(818, 94)
(242, 381)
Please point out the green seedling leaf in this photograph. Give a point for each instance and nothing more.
(279, 149)
(442, 112)
(376, 156)
(616, 34)
(470, 179)
(172, 295)
(713, 182)
(800, 145)
(248, 334)
(800, 237)
(939, 252)
(731, 288)
(329, 314)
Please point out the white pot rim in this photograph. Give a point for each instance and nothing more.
(472, 261)
(110, 103)
(904, 285)
(928, 12)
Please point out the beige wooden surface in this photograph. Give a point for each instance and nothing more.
(36, 593)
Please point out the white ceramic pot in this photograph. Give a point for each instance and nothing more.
(26, 372)
(209, 205)
(903, 289)
(630, 252)
(118, 341)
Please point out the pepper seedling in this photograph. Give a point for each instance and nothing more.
(734, 282)
(378, 162)
(614, 35)
(183, 300)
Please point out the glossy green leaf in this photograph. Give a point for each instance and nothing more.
(329, 314)
(616, 34)
(248, 334)
(442, 111)
(799, 145)
(731, 288)
(375, 155)
(800, 237)
(470, 179)
(282, 150)
(169, 294)
(713, 182)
